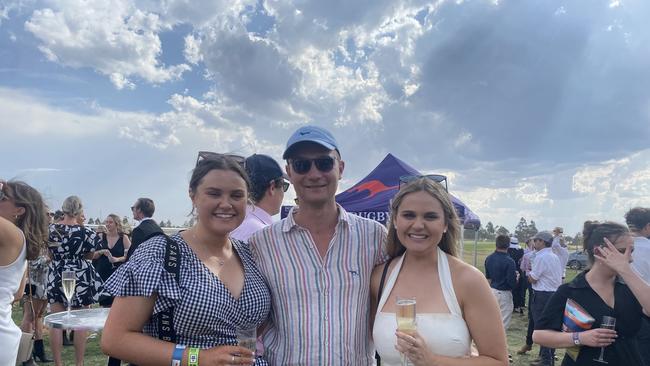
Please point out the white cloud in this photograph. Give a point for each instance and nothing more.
(110, 36)
(192, 51)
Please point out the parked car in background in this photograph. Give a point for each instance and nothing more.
(577, 260)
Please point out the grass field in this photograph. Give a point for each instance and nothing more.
(516, 334)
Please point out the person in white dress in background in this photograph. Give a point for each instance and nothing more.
(454, 301)
(23, 233)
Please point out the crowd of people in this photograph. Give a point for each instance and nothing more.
(321, 286)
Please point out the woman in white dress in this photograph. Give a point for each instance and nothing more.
(23, 232)
(454, 301)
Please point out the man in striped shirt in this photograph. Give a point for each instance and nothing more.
(317, 263)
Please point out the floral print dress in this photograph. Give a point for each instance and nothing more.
(68, 246)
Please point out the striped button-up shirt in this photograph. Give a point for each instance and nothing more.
(320, 305)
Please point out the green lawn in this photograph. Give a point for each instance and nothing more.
(516, 334)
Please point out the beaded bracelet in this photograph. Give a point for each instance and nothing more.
(193, 357)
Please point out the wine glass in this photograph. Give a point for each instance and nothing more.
(406, 320)
(247, 338)
(68, 282)
(607, 323)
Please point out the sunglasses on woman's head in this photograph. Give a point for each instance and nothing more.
(438, 178)
(324, 164)
(208, 155)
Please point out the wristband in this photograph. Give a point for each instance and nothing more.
(193, 357)
(177, 356)
(576, 338)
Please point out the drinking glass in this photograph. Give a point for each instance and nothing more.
(69, 282)
(247, 338)
(405, 315)
(607, 323)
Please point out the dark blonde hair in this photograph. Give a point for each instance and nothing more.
(435, 190)
(595, 232)
(118, 223)
(34, 221)
(72, 206)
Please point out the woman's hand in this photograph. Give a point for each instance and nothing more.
(612, 258)
(226, 356)
(599, 337)
(413, 346)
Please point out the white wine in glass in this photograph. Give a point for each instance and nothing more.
(68, 282)
(406, 316)
(608, 322)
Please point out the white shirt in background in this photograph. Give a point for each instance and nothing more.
(547, 271)
(641, 257)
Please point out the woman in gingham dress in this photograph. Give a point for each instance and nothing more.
(219, 288)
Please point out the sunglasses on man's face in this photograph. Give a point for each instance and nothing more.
(285, 186)
(438, 178)
(207, 155)
(324, 164)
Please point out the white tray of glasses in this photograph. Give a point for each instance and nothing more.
(82, 319)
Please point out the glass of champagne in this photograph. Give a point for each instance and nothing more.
(69, 282)
(247, 338)
(607, 323)
(405, 315)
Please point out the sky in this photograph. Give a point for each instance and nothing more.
(537, 109)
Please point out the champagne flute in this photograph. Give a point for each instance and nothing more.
(405, 315)
(69, 282)
(607, 323)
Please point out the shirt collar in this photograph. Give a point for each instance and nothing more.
(259, 213)
(289, 222)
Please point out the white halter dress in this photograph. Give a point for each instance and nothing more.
(446, 334)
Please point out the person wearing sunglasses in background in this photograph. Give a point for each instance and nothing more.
(268, 185)
(143, 210)
(23, 234)
(317, 262)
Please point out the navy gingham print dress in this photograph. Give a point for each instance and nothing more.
(206, 315)
(68, 246)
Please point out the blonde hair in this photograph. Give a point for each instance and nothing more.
(72, 206)
(437, 191)
(118, 223)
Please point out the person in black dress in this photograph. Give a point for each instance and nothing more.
(610, 287)
(114, 244)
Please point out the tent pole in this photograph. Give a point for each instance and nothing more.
(462, 242)
(475, 245)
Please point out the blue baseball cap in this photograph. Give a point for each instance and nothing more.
(313, 134)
